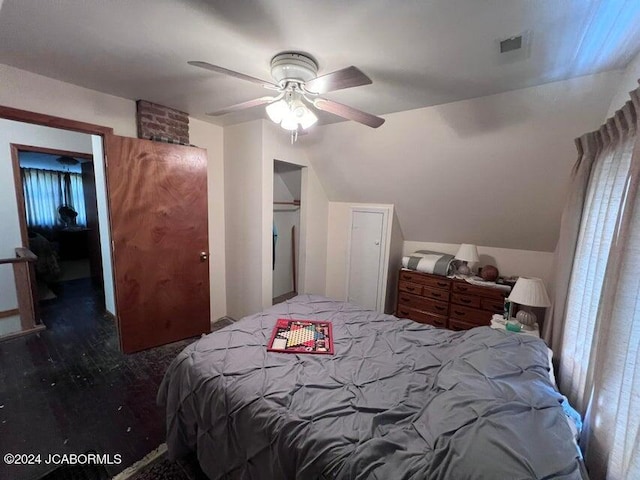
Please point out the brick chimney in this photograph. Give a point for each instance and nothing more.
(156, 122)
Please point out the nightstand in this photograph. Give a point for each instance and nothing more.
(499, 323)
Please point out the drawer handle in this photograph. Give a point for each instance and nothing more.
(465, 300)
(459, 313)
(438, 323)
(405, 277)
(410, 289)
(405, 299)
(462, 289)
(404, 312)
(441, 284)
(438, 307)
(437, 295)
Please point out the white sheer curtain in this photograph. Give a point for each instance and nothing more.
(599, 369)
(612, 434)
(600, 212)
(45, 191)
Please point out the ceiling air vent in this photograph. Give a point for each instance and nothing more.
(511, 44)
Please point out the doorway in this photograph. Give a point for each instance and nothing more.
(287, 187)
(58, 215)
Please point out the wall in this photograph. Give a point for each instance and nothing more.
(524, 263)
(339, 221)
(628, 81)
(210, 137)
(24, 134)
(250, 150)
(313, 213)
(491, 171)
(103, 224)
(36, 93)
(32, 92)
(396, 248)
(243, 217)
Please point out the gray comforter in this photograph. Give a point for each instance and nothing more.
(398, 400)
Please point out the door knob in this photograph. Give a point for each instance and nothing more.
(204, 256)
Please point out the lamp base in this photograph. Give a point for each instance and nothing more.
(464, 269)
(527, 319)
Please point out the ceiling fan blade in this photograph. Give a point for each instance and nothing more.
(345, 78)
(241, 106)
(231, 73)
(350, 113)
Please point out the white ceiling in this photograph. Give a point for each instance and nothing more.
(418, 53)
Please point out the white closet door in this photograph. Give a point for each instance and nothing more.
(365, 258)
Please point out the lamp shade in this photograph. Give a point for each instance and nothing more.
(467, 253)
(530, 292)
(277, 110)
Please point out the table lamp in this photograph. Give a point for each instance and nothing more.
(529, 292)
(466, 253)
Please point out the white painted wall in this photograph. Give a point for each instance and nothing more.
(313, 213)
(103, 224)
(36, 93)
(243, 217)
(525, 263)
(628, 82)
(33, 135)
(210, 137)
(490, 171)
(396, 245)
(249, 153)
(32, 92)
(339, 221)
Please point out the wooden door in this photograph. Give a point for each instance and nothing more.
(158, 210)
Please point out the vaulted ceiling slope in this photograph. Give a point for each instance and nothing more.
(418, 54)
(491, 171)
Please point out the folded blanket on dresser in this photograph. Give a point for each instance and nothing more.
(429, 262)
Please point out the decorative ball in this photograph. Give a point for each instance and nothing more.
(489, 273)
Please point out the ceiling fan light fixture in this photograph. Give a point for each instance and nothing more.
(289, 123)
(277, 110)
(289, 113)
(308, 119)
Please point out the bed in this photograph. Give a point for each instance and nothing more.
(398, 400)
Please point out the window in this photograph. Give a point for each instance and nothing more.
(45, 191)
(600, 350)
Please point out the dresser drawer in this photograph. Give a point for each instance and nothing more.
(468, 289)
(410, 287)
(436, 294)
(466, 300)
(434, 281)
(459, 325)
(471, 315)
(422, 303)
(494, 306)
(421, 317)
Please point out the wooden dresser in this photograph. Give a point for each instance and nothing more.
(446, 303)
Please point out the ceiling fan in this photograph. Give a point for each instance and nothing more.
(297, 87)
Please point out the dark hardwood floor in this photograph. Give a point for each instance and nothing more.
(70, 390)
